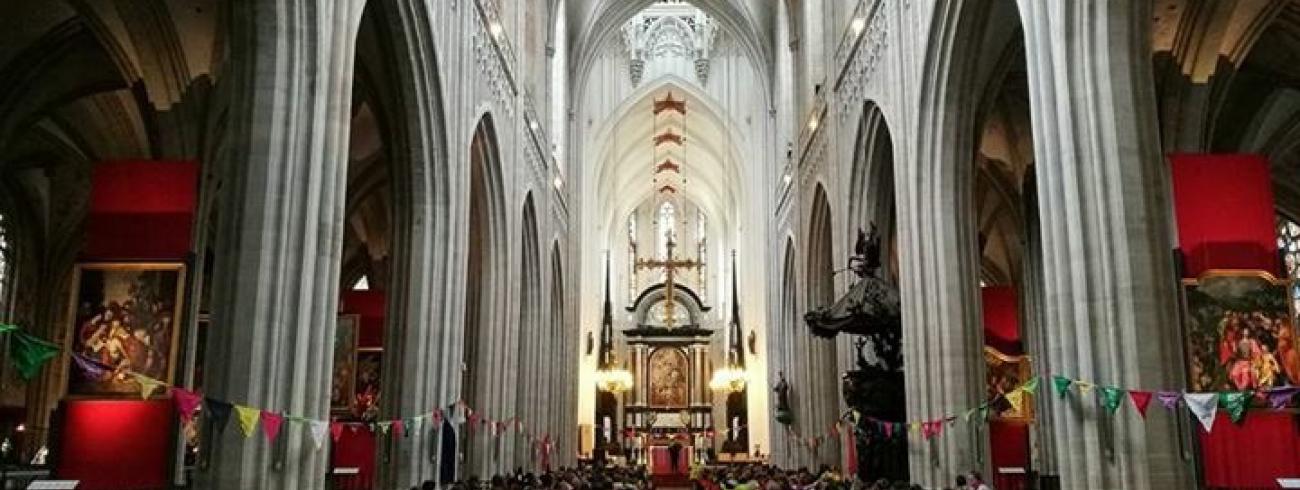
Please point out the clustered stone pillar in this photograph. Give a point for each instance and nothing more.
(271, 342)
(1109, 304)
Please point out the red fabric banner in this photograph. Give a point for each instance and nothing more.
(141, 210)
(370, 305)
(1225, 213)
(355, 448)
(1001, 319)
(115, 444)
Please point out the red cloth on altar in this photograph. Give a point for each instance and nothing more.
(661, 461)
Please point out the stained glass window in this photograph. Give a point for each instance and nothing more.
(667, 227)
(1288, 243)
(6, 261)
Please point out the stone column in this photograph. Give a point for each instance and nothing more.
(423, 352)
(938, 259)
(289, 76)
(1110, 299)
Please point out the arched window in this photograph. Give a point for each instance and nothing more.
(667, 227)
(1288, 244)
(6, 265)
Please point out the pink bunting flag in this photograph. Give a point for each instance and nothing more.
(186, 402)
(1169, 399)
(271, 424)
(1141, 399)
(437, 417)
(889, 431)
(336, 430)
(398, 427)
(472, 422)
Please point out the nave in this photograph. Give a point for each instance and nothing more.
(374, 244)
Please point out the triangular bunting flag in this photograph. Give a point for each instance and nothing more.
(1141, 399)
(1280, 398)
(1235, 403)
(437, 416)
(1085, 387)
(1111, 397)
(1016, 398)
(336, 430)
(28, 353)
(1203, 406)
(399, 428)
(383, 426)
(186, 403)
(247, 419)
(90, 369)
(969, 413)
(1169, 399)
(271, 425)
(1031, 386)
(889, 430)
(147, 385)
(1062, 385)
(318, 429)
(218, 413)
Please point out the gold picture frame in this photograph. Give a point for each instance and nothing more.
(127, 316)
(347, 332)
(1006, 372)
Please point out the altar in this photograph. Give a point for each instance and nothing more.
(661, 460)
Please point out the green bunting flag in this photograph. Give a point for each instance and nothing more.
(1235, 403)
(29, 353)
(1031, 386)
(1062, 385)
(1111, 398)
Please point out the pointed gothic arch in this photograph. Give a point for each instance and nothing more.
(528, 336)
(872, 199)
(485, 324)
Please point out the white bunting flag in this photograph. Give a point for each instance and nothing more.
(318, 430)
(1203, 406)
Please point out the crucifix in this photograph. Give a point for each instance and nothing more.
(669, 264)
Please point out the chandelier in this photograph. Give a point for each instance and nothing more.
(613, 379)
(610, 377)
(730, 379)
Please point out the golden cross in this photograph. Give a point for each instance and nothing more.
(670, 265)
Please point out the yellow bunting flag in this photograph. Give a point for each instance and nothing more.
(247, 419)
(147, 385)
(1085, 387)
(1016, 398)
(914, 427)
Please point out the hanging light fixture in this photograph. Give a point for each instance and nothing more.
(732, 378)
(610, 375)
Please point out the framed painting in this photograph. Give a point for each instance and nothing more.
(342, 386)
(668, 382)
(370, 364)
(1239, 332)
(125, 316)
(1006, 373)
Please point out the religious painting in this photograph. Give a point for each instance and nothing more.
(1239, 332)
(342, 391)
(1005, 374)
(125, 316)
(668, 383)
(366, 398)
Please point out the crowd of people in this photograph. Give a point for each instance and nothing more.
(726, 477)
